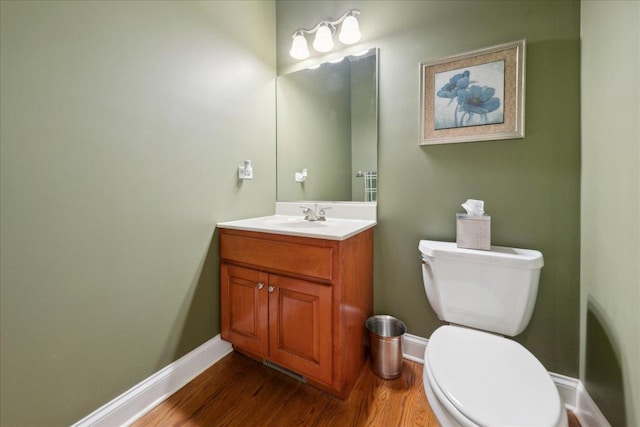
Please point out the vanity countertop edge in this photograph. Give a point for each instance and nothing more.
(288, 225)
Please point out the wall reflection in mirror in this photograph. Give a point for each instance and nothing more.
(327, 123)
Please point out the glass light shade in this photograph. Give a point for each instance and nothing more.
(350, 30)
(299, 49)
(324, 40)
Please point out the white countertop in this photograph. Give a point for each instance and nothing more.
(290, 225)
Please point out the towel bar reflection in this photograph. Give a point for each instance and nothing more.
(370, 185)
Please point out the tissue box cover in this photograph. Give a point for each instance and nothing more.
(473, 232)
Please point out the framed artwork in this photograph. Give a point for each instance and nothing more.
(474, 96)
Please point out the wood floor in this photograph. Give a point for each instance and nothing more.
(238, 391)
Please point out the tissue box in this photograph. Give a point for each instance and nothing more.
(473, 232)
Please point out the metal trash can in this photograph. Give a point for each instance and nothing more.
(385, 341)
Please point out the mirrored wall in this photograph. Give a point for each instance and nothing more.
(327, 124)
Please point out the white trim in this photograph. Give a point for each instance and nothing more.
(572, 391)
(567, 387)
(413, 347)
(587, 411)
(125, 409)
(131, 405)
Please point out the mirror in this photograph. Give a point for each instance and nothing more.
(327, 131)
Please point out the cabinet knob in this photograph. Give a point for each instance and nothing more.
(260, 285)
(271, 288)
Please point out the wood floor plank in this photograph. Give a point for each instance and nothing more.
(239, 391)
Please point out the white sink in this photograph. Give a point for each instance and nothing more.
(332, 228)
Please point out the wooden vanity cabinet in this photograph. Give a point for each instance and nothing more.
(299, 302)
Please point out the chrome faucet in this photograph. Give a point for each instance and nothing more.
(313, 214)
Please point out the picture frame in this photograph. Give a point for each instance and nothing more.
(474, 96)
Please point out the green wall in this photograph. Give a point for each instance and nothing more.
(531, 186)
(122, 127)
(610, 235)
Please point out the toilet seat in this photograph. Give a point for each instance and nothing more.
(485, 379)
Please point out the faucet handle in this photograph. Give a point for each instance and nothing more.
(309, 215)
(322, 213)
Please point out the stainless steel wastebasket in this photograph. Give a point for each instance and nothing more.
(385, 345)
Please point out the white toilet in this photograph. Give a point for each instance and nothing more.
(476, 378)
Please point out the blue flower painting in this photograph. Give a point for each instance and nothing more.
(470, 96)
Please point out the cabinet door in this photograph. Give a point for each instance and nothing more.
(300, 327)
(244, 308)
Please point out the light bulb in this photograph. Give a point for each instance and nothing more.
(323, 41)
(350, 30)
(299, 49)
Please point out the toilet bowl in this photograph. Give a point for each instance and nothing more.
(473, 376)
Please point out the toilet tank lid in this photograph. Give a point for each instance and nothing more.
(498, 255)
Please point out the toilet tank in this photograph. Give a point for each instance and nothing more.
(489, 290)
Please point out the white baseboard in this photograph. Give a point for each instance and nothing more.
(587, 411)
(567, 387)
(125, 409)
(571, 390)
(413, 347)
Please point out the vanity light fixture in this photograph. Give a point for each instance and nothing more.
(324, 32)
